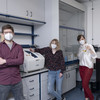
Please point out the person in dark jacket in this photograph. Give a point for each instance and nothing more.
(55, 64)
(11, 56)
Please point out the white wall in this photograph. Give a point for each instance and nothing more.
(93, 27)
(51, 29)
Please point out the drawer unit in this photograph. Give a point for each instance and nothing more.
(34, 97)
(33, 94)
(31, 87)
(32, 80)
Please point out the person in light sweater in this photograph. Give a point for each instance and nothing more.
(86, 55)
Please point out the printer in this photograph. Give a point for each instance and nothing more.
(32, 61)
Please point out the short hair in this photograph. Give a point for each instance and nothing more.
(7, 27)
(79, 37)
(57, 43)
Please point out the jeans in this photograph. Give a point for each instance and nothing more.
(16, 89)
(52, 77)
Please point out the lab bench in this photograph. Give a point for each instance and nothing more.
(35, 83)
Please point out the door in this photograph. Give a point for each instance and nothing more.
(31, 9)
(69, 81)
(44, 90)
(65, 83)
(2, 6)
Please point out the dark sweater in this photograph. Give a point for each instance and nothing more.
(53, 62)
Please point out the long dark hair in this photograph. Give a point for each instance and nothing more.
(79, 37)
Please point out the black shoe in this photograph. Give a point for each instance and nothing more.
(98, 97)
(54, 99)
(63, 98)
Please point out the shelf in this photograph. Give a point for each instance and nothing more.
(25, 34)
(71, 28)
(10, 18)
(29, 46)
(72, 62)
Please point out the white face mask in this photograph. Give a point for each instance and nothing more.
(82, 42)
(8, 36)
(53, 46)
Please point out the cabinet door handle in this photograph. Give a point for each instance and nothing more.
(37, 59)
(26, 12)
(66, 76)
(31, 14)
(31, 81)
(31, 95)
(37, 65)
(32, 89)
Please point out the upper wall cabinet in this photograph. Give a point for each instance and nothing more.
(31, 9)
(3, 6)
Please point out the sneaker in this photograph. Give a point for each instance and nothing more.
(64, 99)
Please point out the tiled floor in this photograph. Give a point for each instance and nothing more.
(77, 94)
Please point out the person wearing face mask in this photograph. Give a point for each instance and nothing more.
(86, 56)
(54, 61)
(11, 56)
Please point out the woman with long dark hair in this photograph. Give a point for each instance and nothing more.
(86, 57)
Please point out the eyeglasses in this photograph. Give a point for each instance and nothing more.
(7, 32)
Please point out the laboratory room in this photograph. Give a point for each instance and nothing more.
(49, 50)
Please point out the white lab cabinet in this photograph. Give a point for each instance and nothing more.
(44, 91)
(31, 9)
(69, 81)
(2, 6)
(31, 87)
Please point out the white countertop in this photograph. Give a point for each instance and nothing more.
(68, 68)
